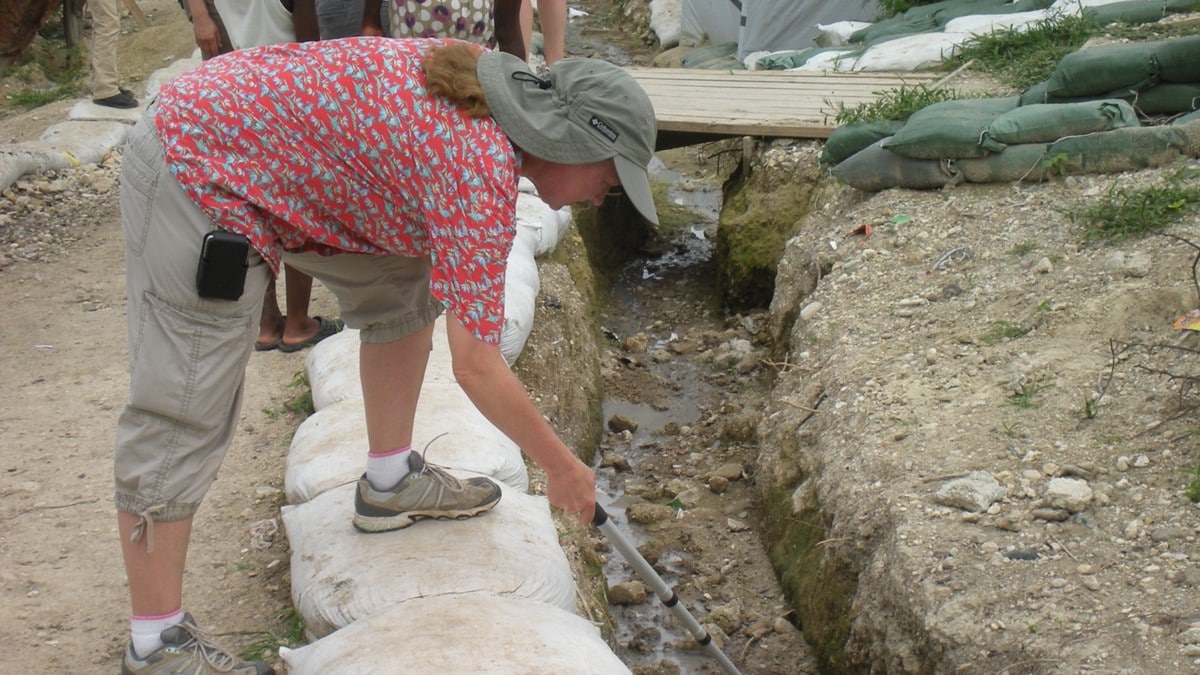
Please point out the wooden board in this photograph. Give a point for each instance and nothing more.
(778, 103)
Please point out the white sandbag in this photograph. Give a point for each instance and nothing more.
(984, 24)
(332, 368)
(520, 304)
(470, 633)
(911, 52)
(838, 33)
(535, 214)
(1074, 6)
(830, 60)
(666, 20)
(330, 447)
(332, 365)
(340, 575)
(521, 270)
(751, 60)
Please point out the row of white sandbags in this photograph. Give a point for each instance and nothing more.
(538, 230)
(490, 594)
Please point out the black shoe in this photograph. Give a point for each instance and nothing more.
(120, 99)
(128, 93)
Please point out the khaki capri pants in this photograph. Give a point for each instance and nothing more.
(188, 355)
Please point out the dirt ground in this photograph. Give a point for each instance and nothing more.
(892, 354)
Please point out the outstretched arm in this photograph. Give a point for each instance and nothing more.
(500, 396)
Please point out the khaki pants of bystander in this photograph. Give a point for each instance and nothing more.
(106, 27)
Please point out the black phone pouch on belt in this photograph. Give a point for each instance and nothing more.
(224, 259)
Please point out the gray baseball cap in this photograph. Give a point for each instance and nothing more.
(585, 110)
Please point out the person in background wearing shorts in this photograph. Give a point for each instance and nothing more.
(221, 26)
(388, 170)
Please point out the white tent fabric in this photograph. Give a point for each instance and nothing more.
(780, 25)
(489, 634)
(714, 21)
(340, 575)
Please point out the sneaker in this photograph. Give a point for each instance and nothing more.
(188, 650)
(428, 491)
(120, 99)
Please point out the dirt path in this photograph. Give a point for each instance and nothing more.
(63, 358)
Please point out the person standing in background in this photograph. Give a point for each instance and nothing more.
(553, 16)
(344, 18)
(222, 26)
(210, 33)
(495, 24)
(106, 79)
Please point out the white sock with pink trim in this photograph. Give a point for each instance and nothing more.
(145, 632)
(386, 469)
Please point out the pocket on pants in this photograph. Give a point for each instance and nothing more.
(188, 365)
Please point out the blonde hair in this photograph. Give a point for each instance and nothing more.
(450, 73)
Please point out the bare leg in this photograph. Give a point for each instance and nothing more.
(297, 325)
(270, 326)
(155, 578)
(527, 25)
(391, 375)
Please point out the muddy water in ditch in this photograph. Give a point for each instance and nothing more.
(647, 634)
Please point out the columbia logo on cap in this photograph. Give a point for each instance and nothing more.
(599, 125)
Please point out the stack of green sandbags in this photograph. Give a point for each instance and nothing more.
(935, 16)
(1159, 78)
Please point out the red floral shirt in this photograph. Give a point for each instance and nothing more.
(336, 147)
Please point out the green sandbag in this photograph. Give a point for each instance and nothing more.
(1179, 59)
(1048, 122)
(1189, 118)
(1037, 94)
(944, 12)
(895, 27)
(1128, 149)
(850, 138)
(1132, 12)
(931, 17)
(703, 57)
(874, 168)
(949, 129)
(1025, 162)
(1168, 99)
(1101, 70)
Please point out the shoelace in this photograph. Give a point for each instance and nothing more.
(438, 473)
(201, 642)
(441, 475)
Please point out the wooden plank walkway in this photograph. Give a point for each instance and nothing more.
(696, 105)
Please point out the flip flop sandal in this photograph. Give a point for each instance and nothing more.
(327, 328)
(266, 346)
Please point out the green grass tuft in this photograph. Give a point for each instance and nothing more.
(894, 104)
(1126, 213)
(1023, 59)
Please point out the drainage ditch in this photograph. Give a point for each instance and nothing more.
(683, 382)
